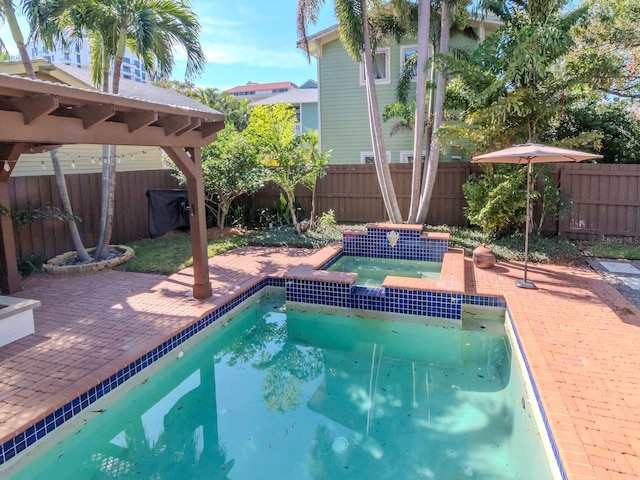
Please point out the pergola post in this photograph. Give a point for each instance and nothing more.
(189, 161)
(10, 280)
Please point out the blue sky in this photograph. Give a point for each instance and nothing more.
(245, 40)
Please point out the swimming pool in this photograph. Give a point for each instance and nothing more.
(372, 271)
(281, 393)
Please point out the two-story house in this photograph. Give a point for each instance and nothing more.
(254, 91)
(304, 100)
(343, 117)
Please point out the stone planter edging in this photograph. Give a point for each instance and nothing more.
(54, 267)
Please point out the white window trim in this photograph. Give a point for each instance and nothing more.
(363, 155)
(387, 67)
(405, 154)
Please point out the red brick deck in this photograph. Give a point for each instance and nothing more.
(580, 336)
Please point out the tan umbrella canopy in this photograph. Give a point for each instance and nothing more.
(528, 154)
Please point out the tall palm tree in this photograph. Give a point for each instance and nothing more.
(151, 29)
(37, 14)
(438, 116)
(354, 28)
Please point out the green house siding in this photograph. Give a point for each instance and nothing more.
(344, 121)
(309, 116)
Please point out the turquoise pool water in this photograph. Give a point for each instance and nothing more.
(279, 394)
(372, 271)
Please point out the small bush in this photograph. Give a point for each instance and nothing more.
(31, 265)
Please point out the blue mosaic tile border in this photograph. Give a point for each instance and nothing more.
(392, 300)
(545, 420)
(484, 301)
(410, 245)
(36, 432)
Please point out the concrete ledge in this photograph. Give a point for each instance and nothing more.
(54, 267)
(305, 272)
(395, 226)
(16, 318)
(451, 276)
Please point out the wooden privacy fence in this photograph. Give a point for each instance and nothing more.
(606, 202)
(51, 237)
(352, 192)
(606, 198)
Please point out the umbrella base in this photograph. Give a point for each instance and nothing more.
(525, 284)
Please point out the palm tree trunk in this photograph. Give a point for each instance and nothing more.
(81, 252)
(379, 151)
(430, 105)
(109, 168)
(57, 167)
(102, 245)
(434, 151)
(10, 16)
(424, 20)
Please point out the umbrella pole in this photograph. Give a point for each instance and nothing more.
(524, 283)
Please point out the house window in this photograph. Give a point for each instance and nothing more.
(380, 67)
(78, 59)
(126, 60)
(367, 157)
(126, 69)
(407, 156)
(127, 77)
(405, 53)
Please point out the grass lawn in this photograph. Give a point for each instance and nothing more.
(171, 253)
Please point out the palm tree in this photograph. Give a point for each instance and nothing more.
(438, 115)
(37, 13)
(354, 28)
(151, 29)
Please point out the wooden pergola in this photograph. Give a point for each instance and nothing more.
(36, 116)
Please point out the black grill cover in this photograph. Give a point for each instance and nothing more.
(167, 211)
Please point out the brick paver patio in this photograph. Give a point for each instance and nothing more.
(580, 336)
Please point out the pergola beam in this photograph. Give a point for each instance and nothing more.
(193, 124)
(139, 120)
(32, 107)
(92, 115)
(54, 128)
(173, 123)
(211, 128)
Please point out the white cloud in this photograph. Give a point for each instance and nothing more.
(229, 54)
(217, 22)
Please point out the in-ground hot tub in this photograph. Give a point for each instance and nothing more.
(372, 271)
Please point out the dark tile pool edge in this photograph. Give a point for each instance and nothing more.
(48, 424)
(543, 414)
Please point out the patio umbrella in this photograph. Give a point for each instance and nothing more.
(528, 154)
